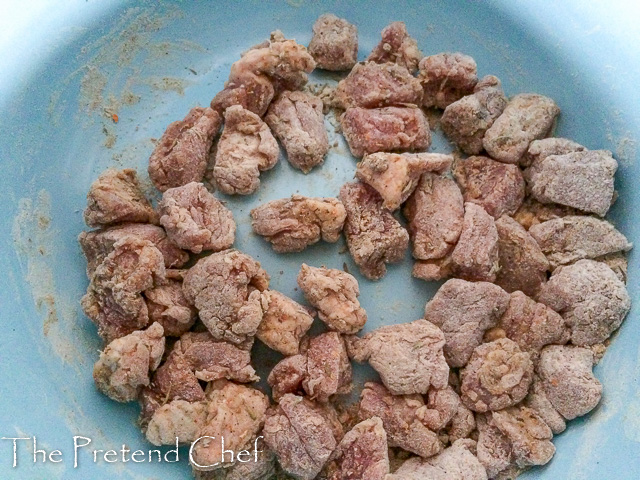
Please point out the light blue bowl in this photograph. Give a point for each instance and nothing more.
(63, 62)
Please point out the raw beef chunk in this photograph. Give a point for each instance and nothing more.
(302, 435)
(497, 376)
(567, 379)
(246, 147)
(571, 238)
(374, 85)
(400, 415)
(114, 300)
(296, 119)
(465, 121)
(334, 44)
(590, 298)
(435, 214)
(373, 235)
(123, 367)
(335, 294)
(395, 176)
(225, 288)
(408, 356)
(387, 129)
(523, 266)
(495, 186)
(582, 180)
(446, 78)
(284, 322)
(475, 256)
(398, 47)
(182, 153)
(464, 311)
(527, 117)
(116, 197)
(292, 224)
(196, 220)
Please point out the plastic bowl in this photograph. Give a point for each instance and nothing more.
(68, 67)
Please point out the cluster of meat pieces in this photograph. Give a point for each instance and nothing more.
(474, 390)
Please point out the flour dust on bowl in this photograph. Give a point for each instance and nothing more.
(95, 86)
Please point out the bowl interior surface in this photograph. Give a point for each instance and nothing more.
(79, 63)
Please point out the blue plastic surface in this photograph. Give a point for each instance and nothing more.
(68, 66)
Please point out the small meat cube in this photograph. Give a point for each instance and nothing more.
(182, 153)
(532, 212)
(497, 376)
(465, 121)
(582, 180)
(539, 401)
(571, 238)
(446, 78)
(375, 85)
(225, 288)
(370, 130)
(235, 413)
(97, 244)
(168, 306)
(124, 366)
(284, 322)
(296, 119)
(495, 186)
(114, 299)
(475, 256)
(464, 311)
(334, 44)
(212, 360)
(335, 294)
(568, 381)
(373, 235)
(246, 147)
(529, 436)
(527, 117)
(116, 197)
(250, 91)
(322, 371)
(532, 325)
(435, 214)
(462, 424)
(523, 266)
(432, 270)
(264, 468)
(362, 453)
(287, 376)
(395, 176)
(590, 298)
(328, 367)
(441, 407)
(408, 356)
(541, 149)
(397, 46)
(454, 463)
(292, 224)
(285, 62)
(174, 380)
(400, 417)
(177, 419)
(301, 435)
(493, 449)
(196, 220)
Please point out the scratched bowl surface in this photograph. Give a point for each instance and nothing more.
(69, 66)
